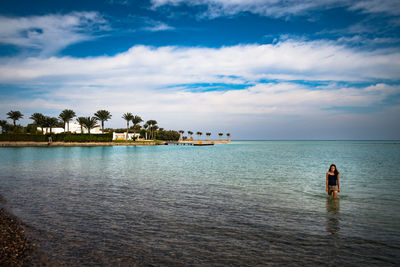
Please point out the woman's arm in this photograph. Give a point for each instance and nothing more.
(338, 185)
(326, 189)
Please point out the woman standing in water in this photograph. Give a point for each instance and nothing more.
(332, 181)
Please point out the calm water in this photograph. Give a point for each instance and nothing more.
(246, 203)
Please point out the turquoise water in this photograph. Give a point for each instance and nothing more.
(245, 203)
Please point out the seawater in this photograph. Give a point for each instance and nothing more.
(247, 203)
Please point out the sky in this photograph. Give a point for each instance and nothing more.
(258, 69)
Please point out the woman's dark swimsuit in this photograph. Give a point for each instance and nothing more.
(332, 179)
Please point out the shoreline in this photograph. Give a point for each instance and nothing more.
(16, 249)
(68, 144)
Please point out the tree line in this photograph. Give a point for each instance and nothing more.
(199, 134)
(63, 120)
(149, 130)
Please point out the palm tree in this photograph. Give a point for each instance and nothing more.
(66, 115)
(15, 115)
(90, 123)
(181, 134)
(151, 124)
(145, 126)
(102, 115)
(199, 134)
(128, 117)
(81, 121)
(229, 136)
(190, 133)
(208, 135)
(136, 120)
(154, 128)
(220, 135)
(50, 122)
(39, 119)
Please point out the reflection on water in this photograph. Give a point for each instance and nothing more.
(235, 205)
(333, 215)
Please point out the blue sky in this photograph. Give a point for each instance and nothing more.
(259, 69)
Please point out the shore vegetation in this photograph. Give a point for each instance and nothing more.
(66, 115)
(15, 115)
(42, 126)
(102, 115)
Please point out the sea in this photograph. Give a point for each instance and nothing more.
(247, 203)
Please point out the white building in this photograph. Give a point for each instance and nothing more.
(74, 127)
(122, 136)
(55, 130)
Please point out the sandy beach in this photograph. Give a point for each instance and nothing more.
(44, 144)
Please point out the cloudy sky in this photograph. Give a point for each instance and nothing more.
(259, 69)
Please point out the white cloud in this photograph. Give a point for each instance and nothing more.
(144, 23)
(157, 83)
(50, 33)
(156, 26)
(119, 2)
(276, 110)
(283, 8)
(390, 7)
(159, 27)
(169, 66)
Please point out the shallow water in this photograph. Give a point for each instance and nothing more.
(246, 203)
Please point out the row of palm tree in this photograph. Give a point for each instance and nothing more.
(91, 122)
(88, 122)
(135, 119)
(67, 115)
(199, 134)
(150, 126)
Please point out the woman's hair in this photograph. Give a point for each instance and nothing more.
(336, 172)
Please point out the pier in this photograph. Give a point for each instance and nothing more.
(198, 143)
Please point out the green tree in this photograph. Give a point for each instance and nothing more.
(15, 115)
(136, 120)
(208, 135)
(4, 126)
(102, 115)
(39, 119)
(51, 122)
(145, 127)
(90, 123)
(154, 129)
(190, 133)
(151, 124)
(199, 134)
(220, 135)
(81, 121)
(136, 128)
(66, 115)
(167, 135)
(181, 132)
(31, 128)
(128, 117)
